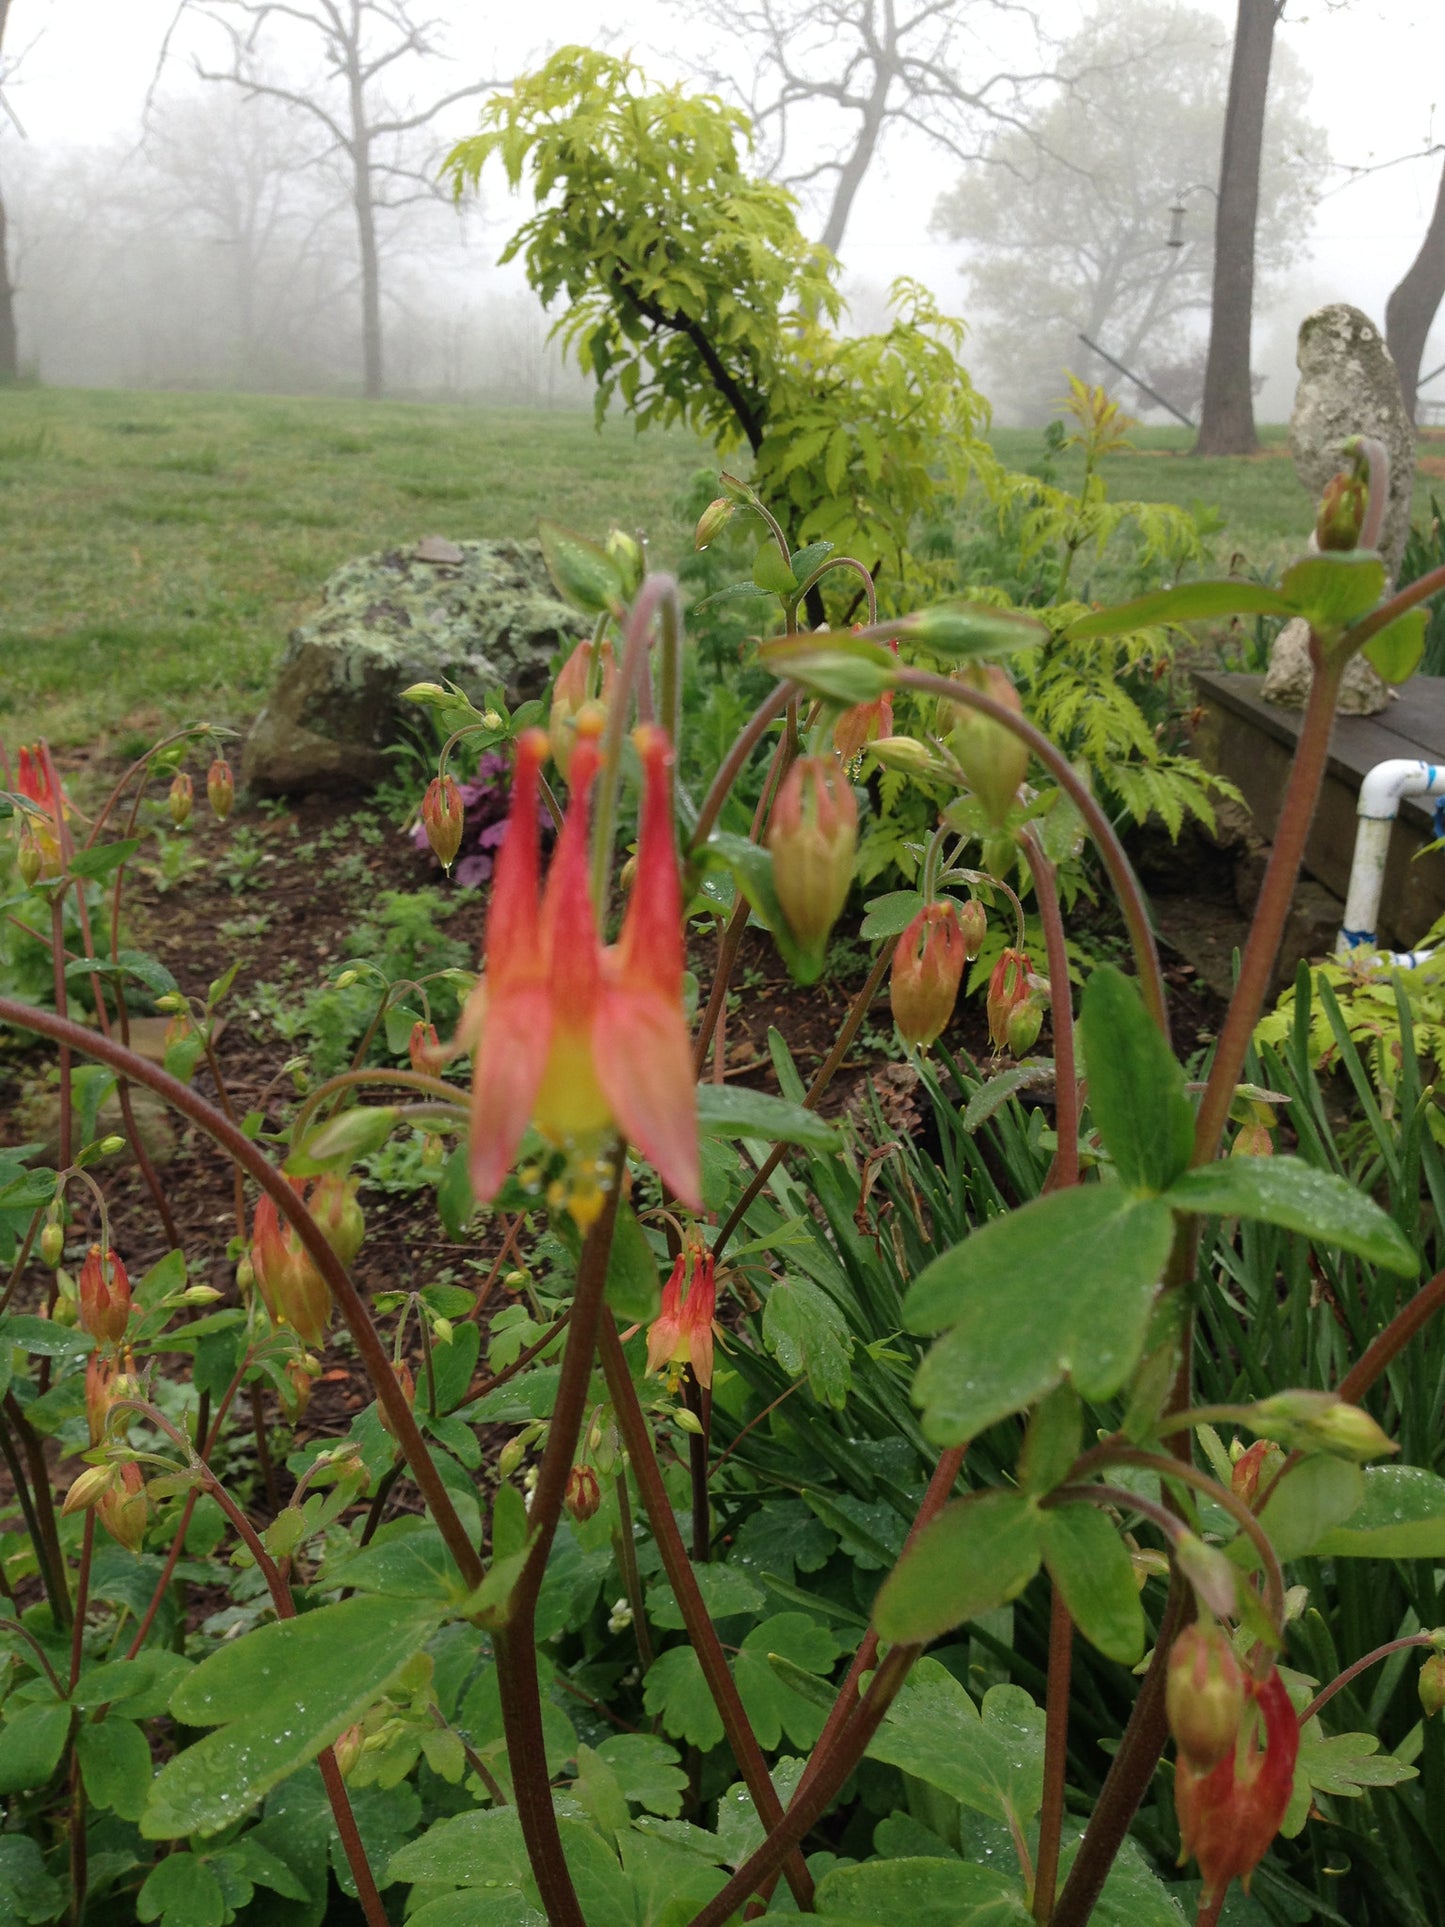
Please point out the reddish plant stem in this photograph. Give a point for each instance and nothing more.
(263, 1450)
(752, 733)
(524, 1358)
(47, 1532)
(1056, 1757)
(43, 1552)
(79, 1856)
(749, 1755)
(827, 1071)
(1121, 874)
(1065, 1170)
(1327, 1693)
(624, 1547)
(82, 1597)
(729, 945)
(1276, 895)
(1410, 597)
(1383, 1350)
(349, 1302)
(341, 1811)
(22, 1257)
(699, 1403)
(66, 1130)
(806, 1809)
(515, 1642)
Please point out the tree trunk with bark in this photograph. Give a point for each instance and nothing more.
(1226, 418)
(1411, 309)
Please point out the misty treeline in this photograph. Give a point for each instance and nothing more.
(213, 250)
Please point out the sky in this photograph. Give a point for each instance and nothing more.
(1378, 84)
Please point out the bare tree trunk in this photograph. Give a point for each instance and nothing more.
(371, 382)
(850, 175)
(1226, 419)
(1411, 309)
(9, 342)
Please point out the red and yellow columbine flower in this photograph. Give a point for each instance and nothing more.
(681, 1333)
(1229, 1813)
(1008, 987)
(32, 780)
(864, 723)
(292, 1289)
(927, 969)
(578, 1038)
(104, 1296)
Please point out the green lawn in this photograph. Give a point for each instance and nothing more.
(158, 547)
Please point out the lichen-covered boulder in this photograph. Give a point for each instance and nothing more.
(483, 615)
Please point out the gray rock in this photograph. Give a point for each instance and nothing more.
(483, 615)
(1348, 386)
(1363, 691)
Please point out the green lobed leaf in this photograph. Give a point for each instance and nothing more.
(31, 1742)
(771, 573)
(1331, 589)
(1401, 1515)
(99, 861)
(979, 1553)
(773, 1705)
(277, 1696)
(1304, 1507)
(924, 1893)
(807, 1334)
(182, 1891)
(890, 915)
(732, 1111)
(1136, 1084)
(1286, 1191)
(1090, 1565)
(988, 1757)
(585, 575)
(1397, 648)
(676, 1693)
(115, 1763)
(648, 1771)
(27, 1891)
(1062, 1287)
(1188, 602)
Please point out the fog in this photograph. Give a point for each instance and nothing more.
(165, 231)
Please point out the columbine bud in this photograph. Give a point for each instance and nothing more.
(348, 1748)
(182, 797)
(1253, 1141)
(102, 1374)
(1008, 988)
(1204, 1695)
(301, 1376)
(973, 922)
(1229, 1814)
(712, 521)
(689, 1421)
(927, 969)
(1021, 1033)
(1317, 1421)
(905, 753)
(1342, 511)
(52, 1245)
(1432, 1685)
(29, 857)
(424, 1048)
(443, 817)
(220, 789)
(104, 1296)
(292, 1289)
(332, 1202)
(511, 1455)
(584, 683)
(1255, 1470)
(88, 1489)
(813, 838)
(583, 1495)
(994, 761)
(123, 1508)
(628, 558)
(408, 1391)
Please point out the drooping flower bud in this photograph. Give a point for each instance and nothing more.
(927, 969)
(181, 798)
(973, 922)
(443, 817)
(1319, 1422)
(424, 1048)
(102, 1371)
(712, 521)
(292, 1289)
(813, 838)
(628, 558)
(994, 761)
(1432, 1685)
(1253, 1141)
(348, 1748)
(1008, 987)
(29, 857)
(583, 1495)
(1255, 1470)
(1342, 510)
(52, 1244)
(1229, 1815)
(584, 682)
(124, 1508)
(511, 1455)
(870, 722)
(220, 789)
(88, 1489)
(1021, 1033)
(104, 1296)
(332, 1202)
(681, 1333)
(1204, 1695)
(301, 1376)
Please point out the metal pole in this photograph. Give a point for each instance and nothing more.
(1129, 375)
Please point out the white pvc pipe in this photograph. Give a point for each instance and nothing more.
(1379, 805)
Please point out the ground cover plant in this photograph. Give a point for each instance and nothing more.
(834, 1521)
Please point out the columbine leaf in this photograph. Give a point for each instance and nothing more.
(729, 1110)
(977, 1554)
(1401, 1515)
(1298, 1197)
(990, 1759)
(1397, 649)
(806, 1333)
(1090, 1565)
(1189, 602)
(1332, 589)
(1136, 1085)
